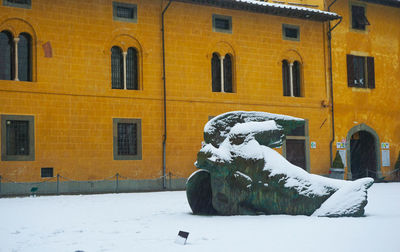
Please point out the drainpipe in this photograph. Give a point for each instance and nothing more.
(164, 99)
(331, 80)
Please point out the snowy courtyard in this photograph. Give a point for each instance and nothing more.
(151, 222)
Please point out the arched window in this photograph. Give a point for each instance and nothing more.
(24, 57)
(117, 68)
(296, 79)
(132, 69)
(216, 73)
(228, 74)
(6, 56)
(221, 73)
(291, 78)
(286, 78)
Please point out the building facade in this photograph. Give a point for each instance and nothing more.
(103, 96)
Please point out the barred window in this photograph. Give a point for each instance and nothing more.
(6, 56)
(221, 23)
(222, 77)
(132, 69)
(17, 138)
(117, 68)
(125, 12)
(18, 3)
(291, 78)
(127, 139)
(13, 51)
(24, 57)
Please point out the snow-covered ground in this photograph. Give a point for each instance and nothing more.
(151, 221)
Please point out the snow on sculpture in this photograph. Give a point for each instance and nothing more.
(239, 173)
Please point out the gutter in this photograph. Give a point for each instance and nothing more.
(331, 81)
(164, 180)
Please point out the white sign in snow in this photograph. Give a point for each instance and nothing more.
(385, 158)
(313, 145)
(342, 154)
(384, 145)
(182, 237)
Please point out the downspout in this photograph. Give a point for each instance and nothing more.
(331, 80)
(164, 180)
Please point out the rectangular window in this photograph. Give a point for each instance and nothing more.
(47, 172)
(358, 17)
(125, 12)
(17, 138)
(290, 32)
(360, 71)
(127, 139)
(18, 3)
(221, 23)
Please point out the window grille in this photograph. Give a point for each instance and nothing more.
(125, 12)
(127, 139)
(24, 57)
(6, 56)
(286, 78)
(216, 73)
(228, 74)
(222, 23)
(18, 3)
(132, 69)
(117, 68)
(17, 137)
(47, 172)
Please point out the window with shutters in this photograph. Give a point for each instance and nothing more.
(124, 68)
(125, 12)
(291, 78)
(222, 73)
(359, 19)
(127, 139)
(15, 56)
(221, 23)
(18, 3)
(360, 71)
(17, 138)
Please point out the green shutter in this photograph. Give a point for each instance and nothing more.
(350, 70)
(371, 72)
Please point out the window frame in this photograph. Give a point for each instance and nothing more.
(369, 71)
(18, 5)
(31, 133)
(227, 18)
(296, 27)
(138, 123)
(125, 5)
(45, 171)
(351, 4)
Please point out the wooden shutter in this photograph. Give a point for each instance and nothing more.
(371, 72)
(216, 73)
(350, 70)
(228, 74)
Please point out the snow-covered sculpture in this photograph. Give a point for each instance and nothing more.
(239, 173)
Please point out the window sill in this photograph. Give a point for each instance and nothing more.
(361, 89)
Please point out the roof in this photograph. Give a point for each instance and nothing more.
(284, 10)
(392, 3)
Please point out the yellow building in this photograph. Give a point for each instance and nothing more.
(103, 96)
(366, 81)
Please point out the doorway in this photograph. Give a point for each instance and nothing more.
(295, 152)
(362, 155)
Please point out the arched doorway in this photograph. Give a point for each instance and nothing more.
(363, 157)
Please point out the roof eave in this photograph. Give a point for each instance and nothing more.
(270, 10)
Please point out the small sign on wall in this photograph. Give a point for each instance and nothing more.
(385, 158)
(313, 145)
(384, 145)
(341, 145)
